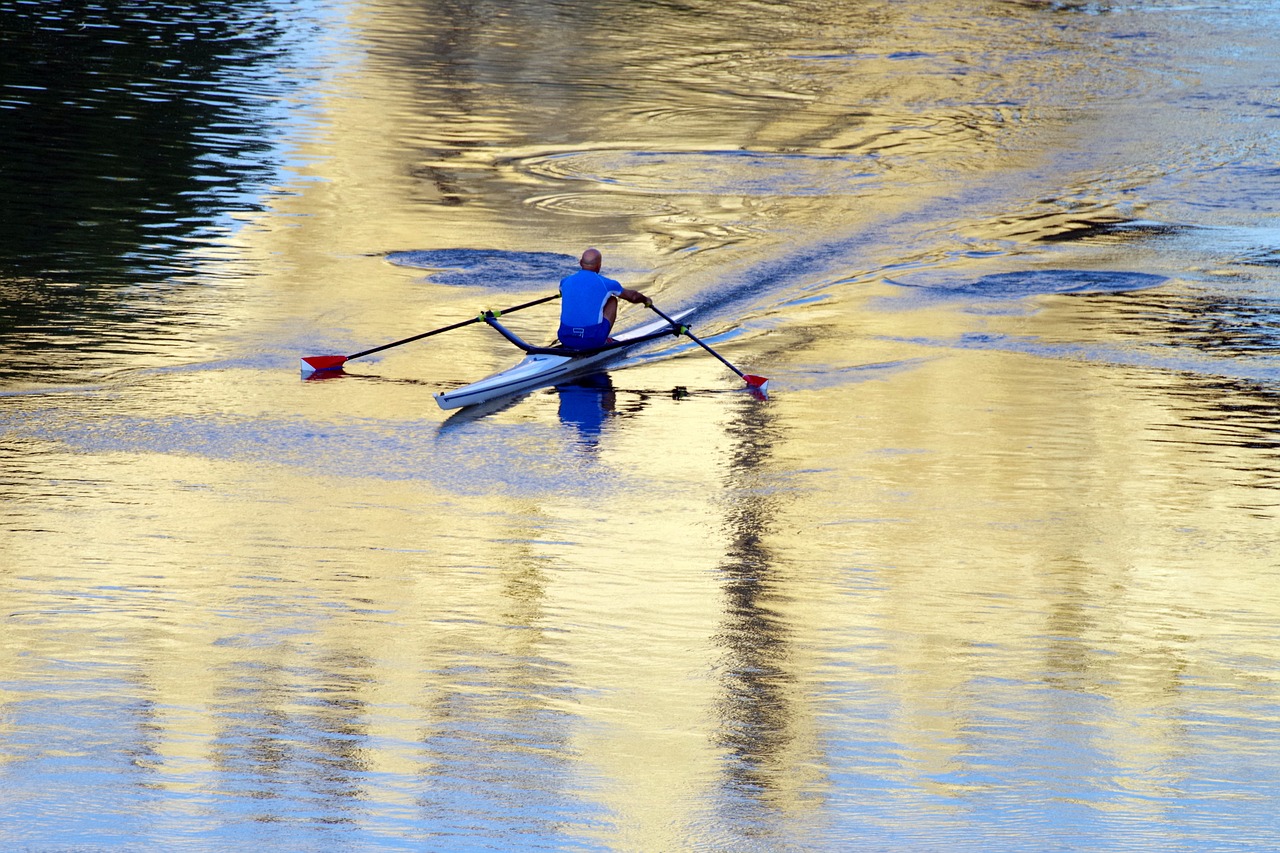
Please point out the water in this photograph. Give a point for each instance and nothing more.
(993, 568)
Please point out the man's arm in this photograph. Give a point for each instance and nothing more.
(634, 296)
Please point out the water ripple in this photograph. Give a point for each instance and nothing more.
(729, 172)
(602, 204)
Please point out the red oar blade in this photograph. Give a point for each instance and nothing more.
(755, 383)
(314, 363)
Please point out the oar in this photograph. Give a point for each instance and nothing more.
(314, 363)
(756, 382)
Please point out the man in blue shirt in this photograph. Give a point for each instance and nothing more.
(589, 304)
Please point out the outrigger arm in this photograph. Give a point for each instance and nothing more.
(491, 317)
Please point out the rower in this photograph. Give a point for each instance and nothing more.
(589, 304)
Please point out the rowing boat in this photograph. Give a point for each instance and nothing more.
(541, 365)
(544, 366)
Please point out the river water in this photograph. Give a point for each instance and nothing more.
(992, 568)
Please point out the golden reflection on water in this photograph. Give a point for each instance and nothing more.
(949, 576)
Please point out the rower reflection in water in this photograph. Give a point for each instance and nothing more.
(585, 404)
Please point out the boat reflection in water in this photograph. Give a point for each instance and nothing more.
(586, 404)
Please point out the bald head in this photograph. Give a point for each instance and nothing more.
(590, 260)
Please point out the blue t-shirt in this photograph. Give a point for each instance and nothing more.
(583, 296)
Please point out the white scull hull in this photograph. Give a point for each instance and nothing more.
(538, 370)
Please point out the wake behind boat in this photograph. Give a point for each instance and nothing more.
(543, 366)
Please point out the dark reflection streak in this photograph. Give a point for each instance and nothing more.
(121, 123)
(494, 753)
(1069, 621)
(144, 753)
(1217, 323)
(446, 47)
(287, 728)
(1229, 414)
(757, 705)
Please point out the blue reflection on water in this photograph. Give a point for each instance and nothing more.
(1020, 284)
(488, 267)
(586, 405)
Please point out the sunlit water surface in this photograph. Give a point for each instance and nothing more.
(993, 568)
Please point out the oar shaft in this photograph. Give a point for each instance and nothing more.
(458, 325)
(684, 330)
